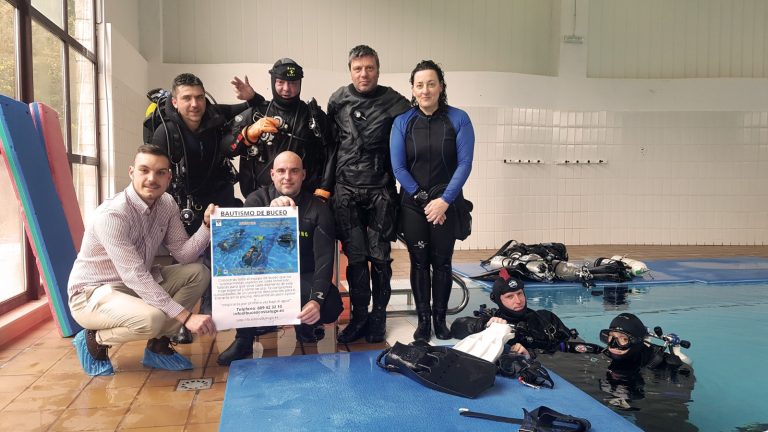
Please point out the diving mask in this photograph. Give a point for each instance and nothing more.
(618, 339)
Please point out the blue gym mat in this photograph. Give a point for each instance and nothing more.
(348, 391)
(711, 270)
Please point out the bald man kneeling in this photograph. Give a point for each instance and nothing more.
(320, 299)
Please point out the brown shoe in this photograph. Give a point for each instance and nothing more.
(95, 349)
(162, 345)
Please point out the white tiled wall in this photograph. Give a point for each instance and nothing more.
(668, 177)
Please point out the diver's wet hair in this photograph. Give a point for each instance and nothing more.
(431, 65)
(362, 51)
(186, 79)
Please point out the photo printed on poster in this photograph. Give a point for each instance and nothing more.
(255, 267)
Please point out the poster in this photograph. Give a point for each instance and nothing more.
(255, 267)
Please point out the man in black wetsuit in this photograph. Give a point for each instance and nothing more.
(285, 123)
(365, 199)
(320, 299)
(202, 173)
(534, 329)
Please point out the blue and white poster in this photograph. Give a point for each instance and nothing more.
(255, 267)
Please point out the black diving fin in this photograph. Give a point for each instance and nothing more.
(440, 368)
(542, 419)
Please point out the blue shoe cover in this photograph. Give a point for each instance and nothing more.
(90, 365)
(174, 362)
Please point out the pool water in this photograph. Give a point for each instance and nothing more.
(727, 326)
(252, 247)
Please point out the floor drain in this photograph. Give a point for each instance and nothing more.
(192, 384)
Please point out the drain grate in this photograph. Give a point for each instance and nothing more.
(192, 384)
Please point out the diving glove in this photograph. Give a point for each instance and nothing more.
(253, 132)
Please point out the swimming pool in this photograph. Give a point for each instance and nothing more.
(728, 328)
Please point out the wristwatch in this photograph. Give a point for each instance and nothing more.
(421, 197)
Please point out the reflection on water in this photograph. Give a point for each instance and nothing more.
(726, 324)
(653, 400)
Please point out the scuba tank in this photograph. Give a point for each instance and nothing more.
(672, 342)
(637, 268)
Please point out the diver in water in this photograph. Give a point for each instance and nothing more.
(232, 242)
(255, 253)
(286, 240)
(638, 370)
(630, 352)
(542, 329)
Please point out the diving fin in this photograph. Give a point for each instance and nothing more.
(488, 275)
(440, 368)
(542, 419)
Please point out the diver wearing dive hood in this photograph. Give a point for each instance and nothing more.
(628, 350)
(632, 360)
(285, 123)
(540, 329)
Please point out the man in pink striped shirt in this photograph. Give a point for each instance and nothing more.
(116, 293)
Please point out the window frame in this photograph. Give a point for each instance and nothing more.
(25, 13)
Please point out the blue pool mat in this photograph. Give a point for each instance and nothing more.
(348, 391)
(709, 270)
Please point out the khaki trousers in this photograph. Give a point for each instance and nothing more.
(120, 315)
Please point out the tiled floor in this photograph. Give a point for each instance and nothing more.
(43, 388)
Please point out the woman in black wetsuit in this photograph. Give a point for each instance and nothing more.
(431, 147)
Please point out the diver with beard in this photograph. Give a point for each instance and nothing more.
(542, 329)
(285, 123)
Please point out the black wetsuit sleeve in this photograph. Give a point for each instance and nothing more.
(329, 152)
(231, 141)
(332, 136)
(323, 245)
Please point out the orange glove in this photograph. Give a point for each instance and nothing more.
(253, 132)
(322, 194)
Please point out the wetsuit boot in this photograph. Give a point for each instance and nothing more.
(441, 292)
(424, 329)
(381, 275)
(241, 348)
(358, 278)
(420, 285)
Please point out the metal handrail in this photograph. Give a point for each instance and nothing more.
(451, 311)
(407, 291)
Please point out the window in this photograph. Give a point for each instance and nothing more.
(80, 22)
(47, 73)
(47, 54)
(7, 50)
(50, 8)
